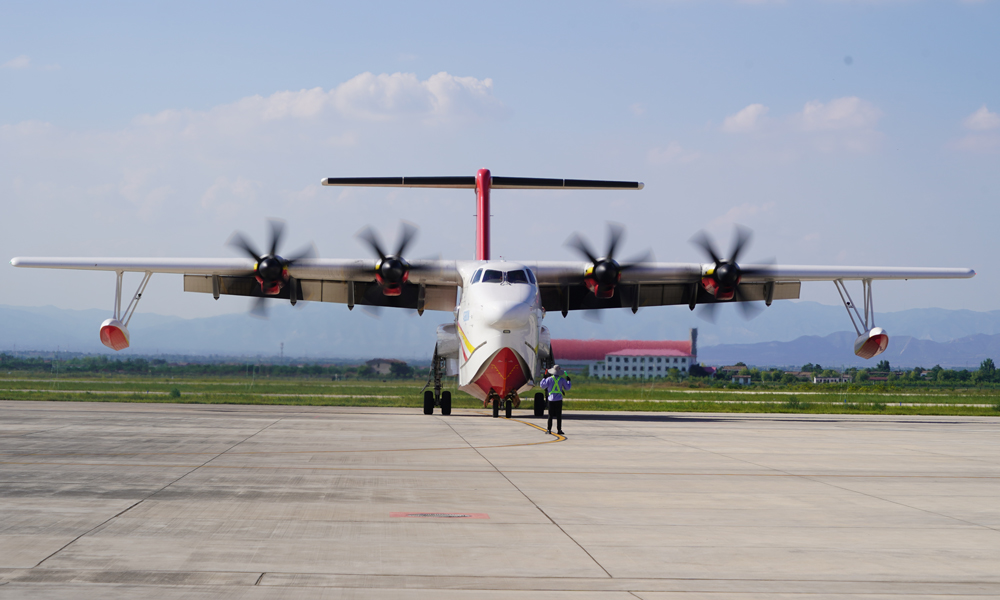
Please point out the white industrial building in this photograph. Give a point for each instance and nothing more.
(628, 358)
(642, 363)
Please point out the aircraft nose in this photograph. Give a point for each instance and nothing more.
(507, 315)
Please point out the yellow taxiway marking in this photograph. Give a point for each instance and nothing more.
(559, 436)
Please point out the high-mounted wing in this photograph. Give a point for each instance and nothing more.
(564, 288)
(431, 286)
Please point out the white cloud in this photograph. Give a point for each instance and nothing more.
(18, 62)
(982, 120)
(748, 119)
(440, 97)
(673, 153)
(838, 114)
(227, 198)
(977, 142)
(401, 96)
(638, 109)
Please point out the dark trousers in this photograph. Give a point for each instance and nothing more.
(555, 412)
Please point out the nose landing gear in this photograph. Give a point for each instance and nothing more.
(509, 403)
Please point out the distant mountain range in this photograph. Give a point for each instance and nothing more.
(835, 350)
(786, 333)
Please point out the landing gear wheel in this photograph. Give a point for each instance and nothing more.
(496, 407)
(446, 403)
(508, 407)
(539, 404)
(428, 402)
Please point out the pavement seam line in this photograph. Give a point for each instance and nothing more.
(528, 498)
(148, 496)
(256, 583)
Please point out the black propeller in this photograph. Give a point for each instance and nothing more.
(391, 270)
(270, 269)
(606, 271)
(727, 273)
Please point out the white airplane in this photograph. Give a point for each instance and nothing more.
(496, 343)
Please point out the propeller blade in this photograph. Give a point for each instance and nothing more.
(702, 240)
(238, 241)
(308, 251)
(749, 309)
(761, 267)
(576, 241)
(638, 261)
(593, 316)
(259, 308)
(374, 312)
(741, 240)
(407, 231)
(616, 231)
(368, 234)
(277, 230)
(707, 312)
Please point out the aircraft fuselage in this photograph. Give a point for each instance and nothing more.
(499, 327)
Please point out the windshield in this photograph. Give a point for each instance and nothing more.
(491, 276)
(494, 276)
(516, 277)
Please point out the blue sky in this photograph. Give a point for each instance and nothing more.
(841, 132)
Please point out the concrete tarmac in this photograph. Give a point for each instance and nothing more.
(114, 501)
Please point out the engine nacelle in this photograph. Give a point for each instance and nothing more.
(114, 334)
(871, 343)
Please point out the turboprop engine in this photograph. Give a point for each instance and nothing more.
(871, 343)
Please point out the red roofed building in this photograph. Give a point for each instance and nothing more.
(628, 358)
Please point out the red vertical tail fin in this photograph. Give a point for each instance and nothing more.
(483, 183)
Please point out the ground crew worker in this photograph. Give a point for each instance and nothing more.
(556, 384)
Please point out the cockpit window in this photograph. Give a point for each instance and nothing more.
(531, 276)
(491, 276)
(516, 277)
(477, 275)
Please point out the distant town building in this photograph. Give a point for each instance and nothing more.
(383, 366)
(627, 358)
(741, 379)
(838, 379)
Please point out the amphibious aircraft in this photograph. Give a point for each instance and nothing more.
(495, 342)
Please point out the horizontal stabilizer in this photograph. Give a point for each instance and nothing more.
(524, 183)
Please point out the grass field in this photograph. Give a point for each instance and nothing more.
(586, 395)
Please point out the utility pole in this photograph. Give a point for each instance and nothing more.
(282, 351)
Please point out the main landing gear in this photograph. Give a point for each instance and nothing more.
(539, 404)
(437, 397)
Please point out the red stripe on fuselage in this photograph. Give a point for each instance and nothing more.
(503, 375)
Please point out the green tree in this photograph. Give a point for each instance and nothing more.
(883, 365)
(401, 370)
(987, 371)
(863, 375)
